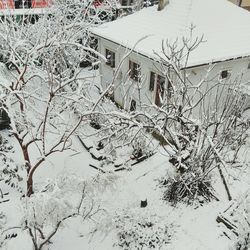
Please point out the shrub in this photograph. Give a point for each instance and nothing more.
(242, 220)
(139, 231)
(188, 187)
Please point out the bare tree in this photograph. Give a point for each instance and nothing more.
(46, 84)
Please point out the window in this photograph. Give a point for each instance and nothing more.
(155, 79)
(110, 56)
(133, 105)
(161, 87)
(126, 2)
(134, 71)
(248, 66)
(19, 4)
(224, 74)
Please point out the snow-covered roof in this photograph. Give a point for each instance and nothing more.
(225, 26)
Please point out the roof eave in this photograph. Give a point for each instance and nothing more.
(182, 68)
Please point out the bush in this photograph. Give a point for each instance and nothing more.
(188, 187)
(241, 218)
(141, 232)
(140, 147)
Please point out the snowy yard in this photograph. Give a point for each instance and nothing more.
(192, 227)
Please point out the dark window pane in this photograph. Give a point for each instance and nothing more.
(110, 56)
(18, 4)
(134, 71)
(124, 2)
(133, 105)
(152, 81)
(224, 74)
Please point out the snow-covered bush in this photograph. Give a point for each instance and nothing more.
(138, 230)
(103, 182)
(3, 220)
(140, 146)
(241, 218)
(236, 219)
(10, 172)
(47, 211)
(188, 187)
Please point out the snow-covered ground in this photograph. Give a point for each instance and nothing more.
(190, 227)
(193, 227)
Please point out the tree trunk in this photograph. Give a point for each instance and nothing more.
(30, 186)
(26, 158)
(28, 167)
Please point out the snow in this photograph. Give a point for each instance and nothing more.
(194, 228)
(224, 27)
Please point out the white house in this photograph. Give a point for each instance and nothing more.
(226, 45)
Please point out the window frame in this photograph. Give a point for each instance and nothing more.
(110, 61)
(134, 70)
(165, 87)
(154, 79)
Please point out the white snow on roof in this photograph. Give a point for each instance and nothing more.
(225, 26)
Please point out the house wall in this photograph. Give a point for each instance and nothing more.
(126, 89)
(218, 88)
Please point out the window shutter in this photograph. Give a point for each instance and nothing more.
(152, 81)
(130, 69)
(112, 59)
